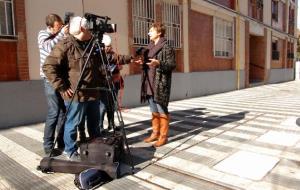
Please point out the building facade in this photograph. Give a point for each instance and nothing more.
(220, 45)
(252, 37)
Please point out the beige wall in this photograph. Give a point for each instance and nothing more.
(36, 10)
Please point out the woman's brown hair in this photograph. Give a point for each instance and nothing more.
(160, 28)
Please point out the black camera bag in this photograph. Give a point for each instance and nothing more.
(103, 150)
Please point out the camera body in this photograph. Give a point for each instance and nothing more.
(99, 24)
(68, 16)
(142, 53)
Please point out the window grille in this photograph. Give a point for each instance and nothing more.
(275, 49)
(143, 12)
(223, 38)
(7, 27)
(171, 20)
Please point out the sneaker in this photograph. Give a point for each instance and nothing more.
(75, 157)
(64, 153)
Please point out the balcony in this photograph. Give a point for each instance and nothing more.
(226, 3)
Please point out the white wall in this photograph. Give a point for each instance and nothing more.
(37, 10)
(281, 75)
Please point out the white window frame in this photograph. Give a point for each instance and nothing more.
(172, 21)
(223, 40)
(7, 21)
(142, 20)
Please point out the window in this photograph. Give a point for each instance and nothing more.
(275, 49)
(290, 50)
(223, 38)
(7, 27)
(143, 12)
(275, 10)
(171, 20)
(260, 4)
(256, 9)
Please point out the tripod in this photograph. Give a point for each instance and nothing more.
(94, 47)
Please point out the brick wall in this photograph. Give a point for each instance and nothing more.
(22, 54)
(8, 61)
(201, 45)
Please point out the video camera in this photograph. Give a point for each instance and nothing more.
(99, 24)
(142, 53)
(68, 16)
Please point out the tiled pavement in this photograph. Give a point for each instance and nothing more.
(245, 139)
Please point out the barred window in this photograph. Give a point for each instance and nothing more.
(143, 12)
(171, 20)
(7, 27)
(223, 38)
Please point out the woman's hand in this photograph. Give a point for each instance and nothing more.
(153, 62)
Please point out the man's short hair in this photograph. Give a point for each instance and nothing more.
(76, 23)
(51, 18)
(160, 28)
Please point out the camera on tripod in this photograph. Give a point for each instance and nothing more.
(99, 24)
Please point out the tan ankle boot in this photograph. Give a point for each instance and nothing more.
(164, 129)
(155, 128)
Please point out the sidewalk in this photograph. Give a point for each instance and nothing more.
(245, 139)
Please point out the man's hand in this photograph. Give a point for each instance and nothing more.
(68, 93)
(65, 29)
(138, 61)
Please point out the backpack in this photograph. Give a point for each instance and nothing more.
(91, 178)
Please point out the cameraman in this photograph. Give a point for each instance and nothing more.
(63, 68)
(156, 82)
(47, 38)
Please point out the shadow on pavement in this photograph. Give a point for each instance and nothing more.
(184, 125)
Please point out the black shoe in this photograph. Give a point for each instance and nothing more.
(47, 152)
(60, 146)
(109, 127)
(52, 153)
(82, 137)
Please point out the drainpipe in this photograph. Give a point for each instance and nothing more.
(185, 23)
(237, 49)
(82, 4)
